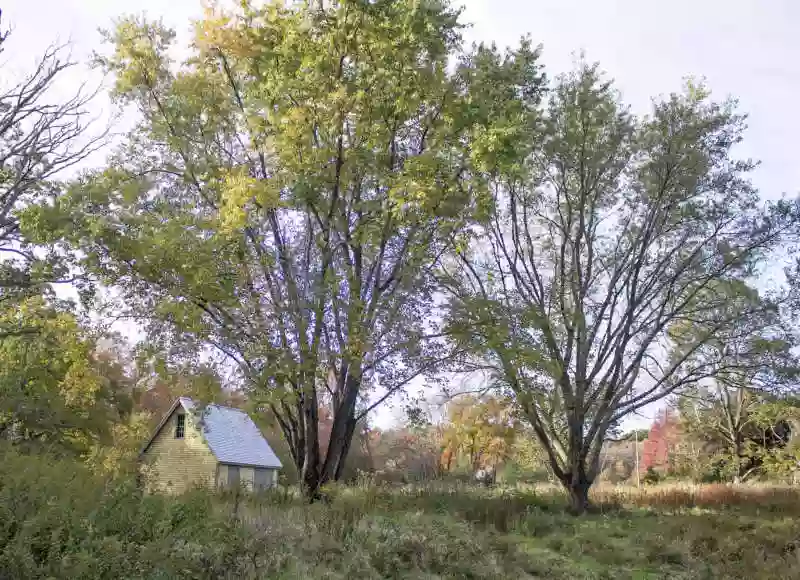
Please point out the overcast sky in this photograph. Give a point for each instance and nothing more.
(744, 48)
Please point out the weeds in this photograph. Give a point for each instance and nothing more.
(59, 521)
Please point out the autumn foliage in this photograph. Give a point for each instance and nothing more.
(661, 441)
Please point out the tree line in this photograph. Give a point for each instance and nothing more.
(325, 203)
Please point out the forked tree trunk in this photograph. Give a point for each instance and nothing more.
(315, 469)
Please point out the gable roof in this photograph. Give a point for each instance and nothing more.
(230, 433)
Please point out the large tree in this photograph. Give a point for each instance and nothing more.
(53, 390)
(604, 232)
(287, 195)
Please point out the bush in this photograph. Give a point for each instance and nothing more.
(58, 520)
(651, 476)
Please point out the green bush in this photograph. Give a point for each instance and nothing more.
(651, 476)
(58, 520)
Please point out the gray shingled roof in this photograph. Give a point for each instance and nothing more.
(233, 437)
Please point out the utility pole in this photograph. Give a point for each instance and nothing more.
(636, 453)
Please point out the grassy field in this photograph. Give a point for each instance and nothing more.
(59, 521)
(661, 532)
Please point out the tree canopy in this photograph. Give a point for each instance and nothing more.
(607, 233)
(289, 193)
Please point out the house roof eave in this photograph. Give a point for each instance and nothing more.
(160, 426)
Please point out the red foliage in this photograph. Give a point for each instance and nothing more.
(663, 436)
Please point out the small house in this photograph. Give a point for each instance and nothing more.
(208, 445)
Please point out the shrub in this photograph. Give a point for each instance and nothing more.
(651, 476)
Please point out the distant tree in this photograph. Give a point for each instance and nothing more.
(403, 455)
(160, 382)
(741, 435)
(479, 431)
(635, 434)
(663, 436)
(603, 231)
(739, 406)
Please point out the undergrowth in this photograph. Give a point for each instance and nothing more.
(59, 521)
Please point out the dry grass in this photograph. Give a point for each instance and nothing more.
(681, 496)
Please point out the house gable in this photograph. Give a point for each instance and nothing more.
(177, 464)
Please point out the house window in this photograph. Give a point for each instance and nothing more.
(233, 476)
(180, 426)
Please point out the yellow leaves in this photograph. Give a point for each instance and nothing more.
(126, 439)
(139, 58)
(220, 32)
(240, 189)
(417, 186)
(483, 430)
(81, 384)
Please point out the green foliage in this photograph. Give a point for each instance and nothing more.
(758, 441)
(285, 217)
(651, 476)
(635, 435)
(290, 190)
(60, 521)
(53, 390)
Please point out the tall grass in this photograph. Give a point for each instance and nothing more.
(59, 521)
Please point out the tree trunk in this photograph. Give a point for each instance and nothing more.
(578, 489)
(344, 424)
(301, 430)
(575, 477)
(579, 496)
(348, 441)
(310, 470)
(310, 483)
(741, 468)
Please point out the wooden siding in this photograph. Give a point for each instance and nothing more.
(176, 465)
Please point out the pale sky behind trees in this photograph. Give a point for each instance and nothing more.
(748, 49)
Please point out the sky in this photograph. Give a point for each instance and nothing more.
(747, 49)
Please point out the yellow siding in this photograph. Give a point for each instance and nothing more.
(175, 465)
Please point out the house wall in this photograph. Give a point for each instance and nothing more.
(246, 476)
(222, 475)
(175, 465)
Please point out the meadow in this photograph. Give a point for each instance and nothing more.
(57, 520)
